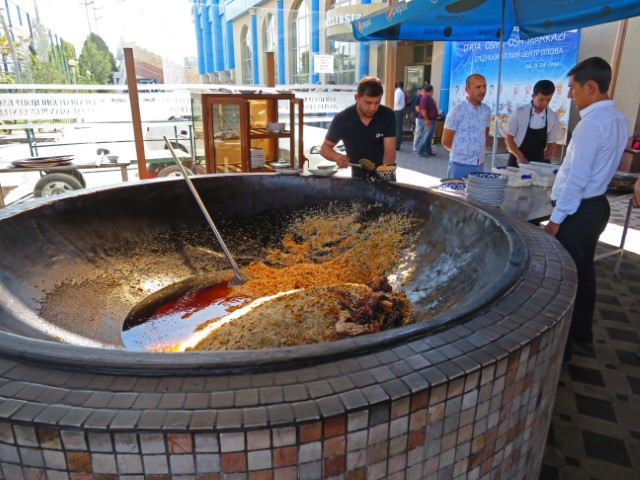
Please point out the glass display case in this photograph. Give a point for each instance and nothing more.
(246, 132)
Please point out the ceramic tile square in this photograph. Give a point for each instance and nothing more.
(285, 456)
(311, 470)
(334, 446)
(397, 463)
(400, 408)
(418, 419)
(377, 452)
(357, 440)
(232, 442)
(258, 440)
(155, 465)
(129, 463)
(25, 436)
(73, 440)
(358, 420)
(207, 462)
(54, 460)
(9, 453)
(309, 452)
(259, 460)
(233, 462)
(310, 432)
(49, 438)
(449, 440)
(415, 456)
(104, 463)
(78, 461)
(488, 374)
(438, 395)
(377, 471)
(334, 426)
(378, 433)
(436, 413)
(152, 443)
(6, 433)
(399, 426)
(288, 473)
(31, 457)
(356, 459)
(284, 436)
(333, 466)
(182, 464)
(126, 443)
(398, 445)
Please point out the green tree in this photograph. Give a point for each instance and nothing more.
(48, 65)
(96, 62)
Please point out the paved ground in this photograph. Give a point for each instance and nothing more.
(595, 429)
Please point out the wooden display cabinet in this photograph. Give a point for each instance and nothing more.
(234, 129)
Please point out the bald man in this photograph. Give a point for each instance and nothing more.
(466, 129)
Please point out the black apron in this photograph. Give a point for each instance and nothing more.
(533, 144)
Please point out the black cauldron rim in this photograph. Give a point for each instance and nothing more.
(124, 362)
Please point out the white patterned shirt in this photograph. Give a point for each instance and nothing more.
(593, 155)
(470, 125)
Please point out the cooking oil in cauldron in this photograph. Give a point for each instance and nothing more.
(162, 326)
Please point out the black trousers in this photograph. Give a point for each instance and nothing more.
(579, 234)
(399, 127)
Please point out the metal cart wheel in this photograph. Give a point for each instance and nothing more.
(54, 184)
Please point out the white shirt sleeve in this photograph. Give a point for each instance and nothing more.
(512, 124)
(576, 177)
(398, 99)
(554, 130)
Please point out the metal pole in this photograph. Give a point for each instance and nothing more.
(494, 150)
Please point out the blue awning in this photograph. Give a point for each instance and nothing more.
(487, 19)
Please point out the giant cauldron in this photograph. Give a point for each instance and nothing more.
(464, 393)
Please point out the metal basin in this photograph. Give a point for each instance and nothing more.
(99, 252)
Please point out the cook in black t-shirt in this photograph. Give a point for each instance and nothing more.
(367, 129)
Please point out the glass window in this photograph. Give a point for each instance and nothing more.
(246, 54)
(344, 54)
(271, 41)
(300, 44)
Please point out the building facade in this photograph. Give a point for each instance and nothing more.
(313, 44)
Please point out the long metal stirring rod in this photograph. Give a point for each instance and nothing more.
(236, 280)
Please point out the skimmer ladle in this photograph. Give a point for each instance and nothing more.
(236, 280)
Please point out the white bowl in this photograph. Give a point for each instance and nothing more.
(323, 173)
(275, 127)
(113, 158)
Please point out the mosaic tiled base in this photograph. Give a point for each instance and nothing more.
(471, 402)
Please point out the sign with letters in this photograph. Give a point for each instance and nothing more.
(323, 63)
(524, 62)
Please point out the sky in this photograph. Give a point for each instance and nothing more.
(164, 27)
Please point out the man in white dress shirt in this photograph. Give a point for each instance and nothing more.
(533, 130)
(399, 102)
(581, 209)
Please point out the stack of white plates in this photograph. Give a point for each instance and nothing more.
(257, 157)
(487, 187)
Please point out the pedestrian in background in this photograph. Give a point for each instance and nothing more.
(417, 134)
(429, 111)
(581, 209)
(466, 129)
(399, 102)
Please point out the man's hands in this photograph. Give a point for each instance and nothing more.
(552, 228)
(343, 161)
